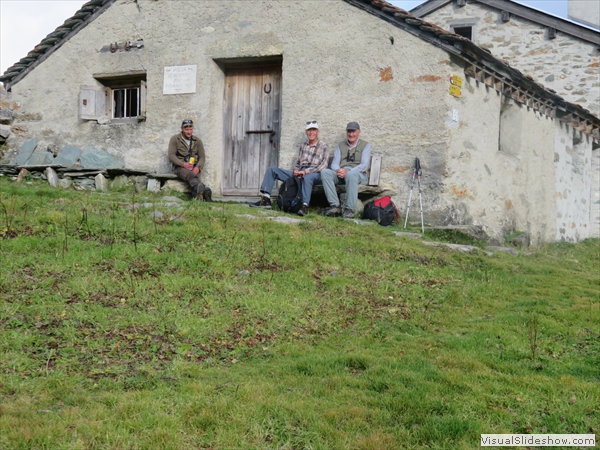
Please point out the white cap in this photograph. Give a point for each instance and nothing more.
(312, 124)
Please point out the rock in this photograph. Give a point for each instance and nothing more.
(170, 198)
(40, 158)
(286, 220)
(177, 185)
(65, 182)
(119, 182)
(459, 247)
(101, 183)
(153, 185)
(51, 176)
(68, 156)
(4, 133)
(495, 248)
(407, 234)
(22, 174)
(84, 184)
(140, 183)
(25, 153)
(92, 158)
(522, 241)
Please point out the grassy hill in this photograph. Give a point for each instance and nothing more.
(130, 324)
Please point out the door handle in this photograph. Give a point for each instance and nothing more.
(271, 132)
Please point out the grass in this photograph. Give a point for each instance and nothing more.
(204, 328)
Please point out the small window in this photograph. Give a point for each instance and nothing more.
(466, 32)
(120, 99)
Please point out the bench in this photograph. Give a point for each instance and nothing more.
(366, 192)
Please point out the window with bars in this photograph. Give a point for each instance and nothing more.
(126, 103)
(118, 99)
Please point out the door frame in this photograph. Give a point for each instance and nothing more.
(227, 65)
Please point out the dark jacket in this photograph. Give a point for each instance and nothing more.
(179, 151)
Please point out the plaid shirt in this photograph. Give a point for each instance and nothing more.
(312, 158)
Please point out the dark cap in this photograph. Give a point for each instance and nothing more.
(187, 123)
(353, 126)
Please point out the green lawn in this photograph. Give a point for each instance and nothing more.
(207, 329)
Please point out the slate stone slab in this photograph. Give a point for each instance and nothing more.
(25, 152)
(40, 158)
(92, 158)
(68, 156)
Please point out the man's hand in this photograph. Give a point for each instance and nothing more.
(196, 170)
(341, 173)
(299, 173)
(188, 166)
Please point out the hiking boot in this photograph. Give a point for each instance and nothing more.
(207, 194)
(194, 192)
(332, 211)
(348, 213)
(303, 211)
(264, 202)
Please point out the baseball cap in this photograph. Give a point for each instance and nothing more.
(187, 123)
(312, 124)
(353, 126)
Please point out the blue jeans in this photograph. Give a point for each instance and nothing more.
(351, 180)
(275, 173)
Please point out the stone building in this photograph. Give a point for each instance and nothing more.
(560, 54)
(497, 149)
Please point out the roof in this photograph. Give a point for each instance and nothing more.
(85, 15)
(547, 20)
(480, 64)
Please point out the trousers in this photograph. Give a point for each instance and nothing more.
(351, 180)
(275, 173)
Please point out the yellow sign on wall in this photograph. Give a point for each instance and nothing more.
(456, 80)
(455, 91)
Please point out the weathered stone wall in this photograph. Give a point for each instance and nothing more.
(339, 64)
(566, 64)
(502, 189)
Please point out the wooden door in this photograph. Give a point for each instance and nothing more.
(252, 122)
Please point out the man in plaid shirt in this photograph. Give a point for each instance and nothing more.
(312, 159)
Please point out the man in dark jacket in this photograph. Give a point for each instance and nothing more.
(186, 153)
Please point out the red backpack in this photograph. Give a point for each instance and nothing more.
(381, 210)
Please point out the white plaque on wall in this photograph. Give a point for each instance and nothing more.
(180, 80)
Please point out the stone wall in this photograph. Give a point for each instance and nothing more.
(566, 64)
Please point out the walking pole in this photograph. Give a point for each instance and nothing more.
(418, 167)
(417, 174)
(411, 191)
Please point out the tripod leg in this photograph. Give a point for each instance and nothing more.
(409, 199)
(421, 204)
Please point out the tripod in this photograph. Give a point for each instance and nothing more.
(416, 173)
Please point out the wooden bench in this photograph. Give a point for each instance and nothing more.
(365, 191)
